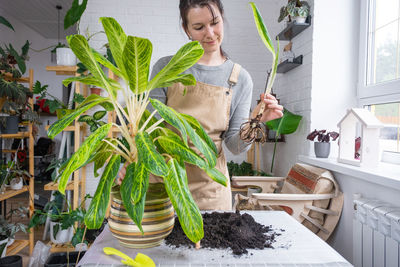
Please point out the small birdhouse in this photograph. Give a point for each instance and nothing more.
(359, 122)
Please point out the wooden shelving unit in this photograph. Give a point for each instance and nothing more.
(20, 244)
(77, 184)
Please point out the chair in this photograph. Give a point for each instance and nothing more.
(310, 194)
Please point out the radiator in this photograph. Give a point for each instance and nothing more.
(376, 233)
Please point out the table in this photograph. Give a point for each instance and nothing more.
(297, 246)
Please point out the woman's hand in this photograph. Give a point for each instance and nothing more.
(121, 174)
(272, 109)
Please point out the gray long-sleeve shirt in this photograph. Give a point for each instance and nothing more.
(219, 76)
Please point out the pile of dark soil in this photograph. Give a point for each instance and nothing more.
(227, 230)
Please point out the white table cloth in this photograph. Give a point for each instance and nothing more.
(296, 246)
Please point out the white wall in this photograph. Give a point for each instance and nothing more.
(37, 60)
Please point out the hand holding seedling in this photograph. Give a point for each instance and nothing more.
(272, 109)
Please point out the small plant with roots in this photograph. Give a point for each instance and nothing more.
(252, 130)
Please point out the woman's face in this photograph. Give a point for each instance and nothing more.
(203, 28)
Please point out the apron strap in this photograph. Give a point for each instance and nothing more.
(234, 75)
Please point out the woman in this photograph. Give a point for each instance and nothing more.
(220, 100)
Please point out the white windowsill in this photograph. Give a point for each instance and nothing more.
(385, 174)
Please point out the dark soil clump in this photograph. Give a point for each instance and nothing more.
(227, 230)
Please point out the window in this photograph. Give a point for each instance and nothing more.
(379, 67)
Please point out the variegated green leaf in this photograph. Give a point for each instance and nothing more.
(106, 63)
(170, 116)
(82, 154)
(137, 55)
(97, 210)
(149, 156)
(140, 182)
(185, 79)
(101, 155)
(135, 211)
(200, 131)
(186, 57)
(59, 125)
(262, 30)
(116, 39)
(83, 52)
(178, 191)
(174, 146)
(98, 115)
(216, 175)
(200, 144)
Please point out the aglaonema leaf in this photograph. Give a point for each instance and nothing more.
(149, 156)
(217, 176)
(200, 131)
(106, 63)
(117, 40)
(178, 191)
(137, 55)
(82, 155)
(97, 210)
(170, 116)
(140, 183)
(186, 57)
(135, 210)
(200, 144)
(174, 146)
(59, 125)
(262, 30)
(290, 123)
(83, 52)
(185, 79)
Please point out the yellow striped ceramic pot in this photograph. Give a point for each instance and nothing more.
(158, 219)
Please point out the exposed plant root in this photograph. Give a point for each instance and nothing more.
(252, 130)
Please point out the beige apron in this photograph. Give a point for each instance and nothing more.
(210, 105)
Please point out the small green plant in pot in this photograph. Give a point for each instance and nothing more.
(295, 9)
(145, 144)
(8, 229)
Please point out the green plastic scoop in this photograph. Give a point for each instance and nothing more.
(141, 260)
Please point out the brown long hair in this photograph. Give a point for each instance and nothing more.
(186, 5)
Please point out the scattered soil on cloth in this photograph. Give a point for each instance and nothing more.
(227, 230)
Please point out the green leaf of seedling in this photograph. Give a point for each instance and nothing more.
(178, 191)
(97, 210)
(290, 123)
(149, 156)
(262, 30)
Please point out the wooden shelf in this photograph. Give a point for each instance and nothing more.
(9, 77)
(63, 70)
(10, 193)
(54, 186)
(9, 150)
(293, 29)
(16, 247)
(19, 135)
(60, 247)
(285, 66)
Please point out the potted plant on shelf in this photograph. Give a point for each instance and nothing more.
(295, 9)
(323, 146)
(65, 226)
(146, 145)
(8, 229)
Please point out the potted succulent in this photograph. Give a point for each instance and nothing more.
(8, 229)
(323, 146)
(146, 145)
(295, 9)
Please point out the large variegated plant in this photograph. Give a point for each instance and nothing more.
(144, 143)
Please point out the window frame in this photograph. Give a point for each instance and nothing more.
(381, 93)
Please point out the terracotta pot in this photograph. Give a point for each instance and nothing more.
(158, 220)
(95, 90)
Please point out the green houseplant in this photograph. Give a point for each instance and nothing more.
(295, 9)
(146, 144)
(9, 229)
